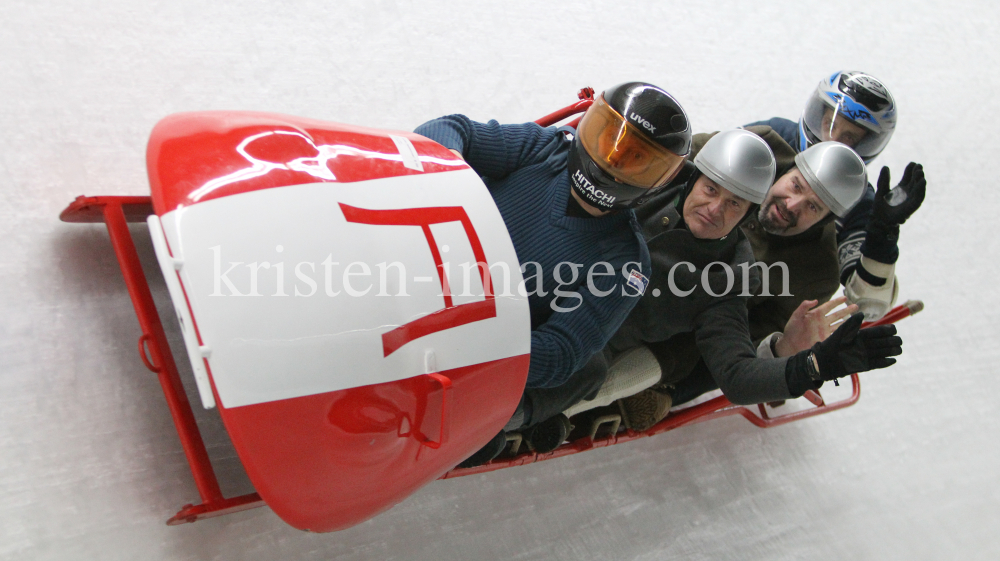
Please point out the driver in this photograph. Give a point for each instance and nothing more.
(565, 196)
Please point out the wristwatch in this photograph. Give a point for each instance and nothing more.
(813, 367)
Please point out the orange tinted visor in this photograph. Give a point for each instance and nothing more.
(622, 151)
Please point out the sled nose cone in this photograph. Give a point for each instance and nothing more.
(343, 391)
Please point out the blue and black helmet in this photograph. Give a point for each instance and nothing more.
(851, 107)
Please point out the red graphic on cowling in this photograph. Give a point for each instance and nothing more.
(451, 315)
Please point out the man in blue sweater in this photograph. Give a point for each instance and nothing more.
(565, 197)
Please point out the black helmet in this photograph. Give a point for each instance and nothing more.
(630, 143)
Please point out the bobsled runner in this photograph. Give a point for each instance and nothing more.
(347, 301)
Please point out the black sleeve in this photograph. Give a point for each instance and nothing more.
(724, 341)
(851, 234)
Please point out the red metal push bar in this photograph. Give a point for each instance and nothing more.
(712, 409)
(586, 96)
(117, 212)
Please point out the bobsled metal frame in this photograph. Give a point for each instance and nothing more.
(116, 212)
(713, 409)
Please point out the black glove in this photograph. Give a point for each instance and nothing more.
(850, 349)
(893, 206)
(890, 209)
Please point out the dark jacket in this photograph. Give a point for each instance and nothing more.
(717, 317)
(850, 229)
(810, 257)
(811, 260)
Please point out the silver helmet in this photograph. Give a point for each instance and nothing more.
(739, 161)
(835, 173)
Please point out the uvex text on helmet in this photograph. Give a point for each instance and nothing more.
(630, 142)
(857, 97)
(835, 173)
(739, 161)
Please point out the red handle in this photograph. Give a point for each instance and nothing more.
(445, 417)
(586, 96)
(142, 354)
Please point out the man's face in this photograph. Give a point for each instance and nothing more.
(711, 211)
(841, 129)
(791, 206)
(625, 153)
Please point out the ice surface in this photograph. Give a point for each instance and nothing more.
(90, 465)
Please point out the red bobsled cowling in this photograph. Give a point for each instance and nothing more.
(334, 285)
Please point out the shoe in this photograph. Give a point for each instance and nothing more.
(646, 408)
(549, 434)
(491, 450)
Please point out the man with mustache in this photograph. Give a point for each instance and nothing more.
(857, 109)
(800, 228)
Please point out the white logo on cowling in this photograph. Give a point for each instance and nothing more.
(643, 122)
(595, 194)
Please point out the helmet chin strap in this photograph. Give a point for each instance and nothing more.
(752, 210)
(688, 187)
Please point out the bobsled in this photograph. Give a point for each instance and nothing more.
(347, 299)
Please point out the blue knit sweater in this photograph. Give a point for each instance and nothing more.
(524, 166)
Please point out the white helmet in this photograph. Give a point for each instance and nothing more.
(835, 173)
(740, 161)
(858, 97)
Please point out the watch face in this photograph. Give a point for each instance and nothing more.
(813, 367)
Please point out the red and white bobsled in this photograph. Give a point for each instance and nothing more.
(348, 301)
(343, 391)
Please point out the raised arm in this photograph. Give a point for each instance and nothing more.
(870, 282)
